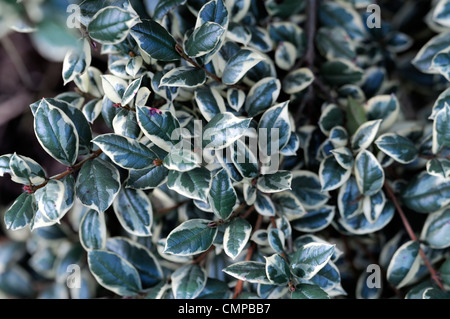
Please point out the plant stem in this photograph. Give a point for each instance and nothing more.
(163, 211)
(412, 235)
(70, 170)
(203, 255)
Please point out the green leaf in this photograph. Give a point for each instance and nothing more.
(21, 212)
(400, 148)
(273, 183)
(147, 178)
(191, 237)
(56, 133)
(210, 102)
(92, 230)
(50, 200)
(331, 117)
(334, 43)
(365, 135)
(244, 159)
(164, 6)
(125, 152)
(339, 72)
(223, 130)
(134, 211)
(222, 196)
(262, 95)
(193, 184)
(237, 233)
(332, 14)
(306, 186)
(315, 220)
(328, 277)
(264, 205)
(114, 87)
(344, 157)
(274, 128)
(153, 39)
(441, 129)
(182, 159)
(114, 273)
(285, 55)
(373, 206)
(369, 173)
(383, 107)
(188, 281)
(297, 80)
(444, 270)
(111, 25)
(439, 167)
(213, 11)
(404, 264)
(436, 230)
(277, 269)
(131, 91)
(162, 129)
(332, 175)
(204, 39)
(310, 258)
(238, 65)
(24, 170)
(356, 116)
(149, 270)
(215, 289)
(441, 63)
(184, 76)
(288, 205)
(250, 271)
(307, 291)
(76, 61)
(441, 13)
(98, 184)
(423, 59)
(276, 239)
(426, 193)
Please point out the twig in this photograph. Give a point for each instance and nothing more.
(411, 234)
(16, 59)
(163, 211)
(203, 255)
(70, 170)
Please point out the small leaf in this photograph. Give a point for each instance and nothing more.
(307, 291)
(191, 237)
(98, 184)
(262, 95)
(277, 182)
(441, 129)
(193, 184)
(332, 175)
(114, 273)
(153, 39)
(398, 147)
(92, 230)
(56, 133)
(164, 6)
(204, 39)
(184, 76)
(297, 80)
(111, 25)
(238, 65)
(134, 211)
(222, 196)
(436, 230)
(188, 281)
(369, 173)
(277, 269)
(365, 135)
(223, 130)
(125, 152)
(21, 212)
(404, 264)
(237, 233)
(250, 271)
(310, 258)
